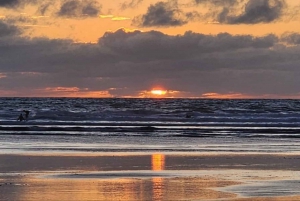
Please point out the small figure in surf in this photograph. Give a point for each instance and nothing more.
(26, 114)
(21, 118)
(189, 115)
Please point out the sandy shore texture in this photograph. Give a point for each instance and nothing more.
(153, 177)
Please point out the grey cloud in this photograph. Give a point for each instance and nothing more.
(19, 19)
(291, 38)
(192, 62)
(91, 8)
(9, 3)
(256, 11)
(8, 30)
(44, 8)
(193, 16)
(15, 3)
(131, 4)
(162, 14)
(77, 8)
(70, 8)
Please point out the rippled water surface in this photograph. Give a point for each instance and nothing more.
(150, 124)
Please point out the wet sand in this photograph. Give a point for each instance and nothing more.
(145, 176)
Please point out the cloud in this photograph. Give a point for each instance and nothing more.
(193, 64)
(255, 11)
(15, 3)
(9, 3)
(291, 38)
(131, 4)
(8, 30)
(245, 11)
(24, 19)
(156, 45)
(164, 14)
(45, 7)
(77, 8)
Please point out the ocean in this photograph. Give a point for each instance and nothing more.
(150, 125)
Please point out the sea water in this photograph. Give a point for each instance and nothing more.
(150, 125)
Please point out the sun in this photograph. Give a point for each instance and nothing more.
(158, 92)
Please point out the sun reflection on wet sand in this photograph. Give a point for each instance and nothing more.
(157, 188)
(158, 164)
(127, 189)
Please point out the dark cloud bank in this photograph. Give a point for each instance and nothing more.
(134, 61)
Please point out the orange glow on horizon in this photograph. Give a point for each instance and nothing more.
(213, 95)
(158, 92)
(72, 92)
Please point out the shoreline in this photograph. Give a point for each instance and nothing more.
(149, 176)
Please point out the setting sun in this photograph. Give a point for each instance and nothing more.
(158, 92)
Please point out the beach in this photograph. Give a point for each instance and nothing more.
(145, 176)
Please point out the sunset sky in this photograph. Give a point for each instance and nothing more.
(150, 48)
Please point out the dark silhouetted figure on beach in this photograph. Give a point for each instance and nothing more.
(26, 114)
(21, 118)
